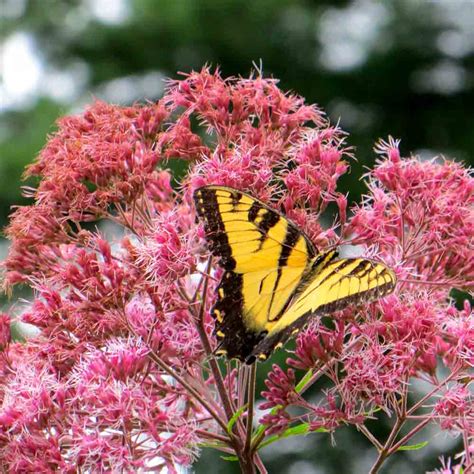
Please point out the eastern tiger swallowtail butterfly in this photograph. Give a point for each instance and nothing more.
(274, 279)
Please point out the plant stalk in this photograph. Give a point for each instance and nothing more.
(251, 403)
(216, 372)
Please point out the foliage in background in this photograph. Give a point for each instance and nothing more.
(122, 373)
(382, 67)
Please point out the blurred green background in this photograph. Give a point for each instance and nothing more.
(403, 68)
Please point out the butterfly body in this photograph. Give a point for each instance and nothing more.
(274, 279)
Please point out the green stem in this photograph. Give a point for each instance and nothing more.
(251, 402)
(385, 451)
(409, 436)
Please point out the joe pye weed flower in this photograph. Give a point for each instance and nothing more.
(122, 376)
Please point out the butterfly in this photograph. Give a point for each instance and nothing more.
(274, 279)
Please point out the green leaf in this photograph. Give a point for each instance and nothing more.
(298, 430)
(258, 431)
(213, 445)
(413, 447)
(235, 417)
(302, 383)
(371, 412)
(230, 458)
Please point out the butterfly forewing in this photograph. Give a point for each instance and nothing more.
(265, 257)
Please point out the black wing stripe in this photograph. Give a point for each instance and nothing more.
(335, 271)
(207, 207)
(353, 272)
(269, 220)
(291, 239)
(253, 211)
(361, 266)
(236, 197)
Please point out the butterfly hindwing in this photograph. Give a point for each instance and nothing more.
(330, 286)
(264, 256)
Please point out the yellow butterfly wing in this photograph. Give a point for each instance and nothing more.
(265, 257)
(330, 286)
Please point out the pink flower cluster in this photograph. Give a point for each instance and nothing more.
(122, 374)
(419, 218)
